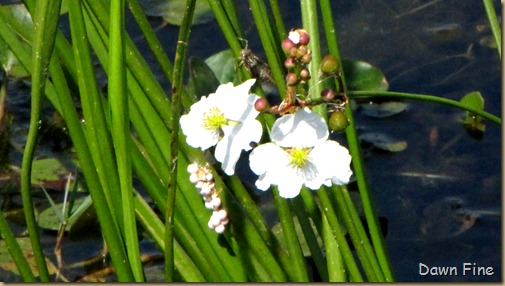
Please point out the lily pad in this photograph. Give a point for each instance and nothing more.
(82, 216)
(172, 11)
(383, 142)
(361, 75)
(384, 109)
(6, 262)
(51, 173)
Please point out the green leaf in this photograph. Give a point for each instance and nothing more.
(52, 173)
(474, 125)
(6, 262)
(224, 66)
(82, 216)
(172, 11)
(202, 80)
(363, 76)
(473, 99)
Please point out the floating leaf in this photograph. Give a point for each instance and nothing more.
(6, 262)
(51, 173)
(474, 125)
(173, 11)
(384, 109)
(383, 142)
(82, 216)
(360, 75)
(224, 66)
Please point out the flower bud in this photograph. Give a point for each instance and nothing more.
(301, 51)
(260, 104)
(338, 121)
(327, 94)
(289, 63)
(291, 78)
(329, 64)
(287, 45)
(304, 75)
(306, 58)
(304, 37)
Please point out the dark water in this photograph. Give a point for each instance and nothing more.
(428, 47)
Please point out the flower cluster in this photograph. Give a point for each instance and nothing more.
(298, 56)
(204, 183)
(299, 153)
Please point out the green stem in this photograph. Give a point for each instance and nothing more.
(15, 251)
(276, 11)
(329, 214)
(177, 85)
(269, 43)
(430, 98)
(296, 270)
(335, 260)
(45, 26)
(354, 150)
(120, 129)
(359, 239)
(311, 238)
(152, 39)
(108, 210)
(156, 230)
(495, 25)
(311, 25)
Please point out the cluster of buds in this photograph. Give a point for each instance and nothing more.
(203, 180)
(298, 56)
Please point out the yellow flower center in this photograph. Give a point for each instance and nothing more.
(299, 157)
(214, 119)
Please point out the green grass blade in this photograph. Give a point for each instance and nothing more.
(495, 25)
(120, 129)
(45, 24)
(15, 251)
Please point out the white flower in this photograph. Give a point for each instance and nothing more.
(294, 36)
(226, 118)
(307, 158)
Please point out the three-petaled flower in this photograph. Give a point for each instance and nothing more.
(227, 119)
(300, 155)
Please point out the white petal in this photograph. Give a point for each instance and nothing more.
(269, 161)
(304, 128)
(290, 187)
(236, 139)
(235, 102)
(294, 36)
(192, 126)
(333, 161)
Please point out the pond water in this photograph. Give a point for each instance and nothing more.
(442, 195)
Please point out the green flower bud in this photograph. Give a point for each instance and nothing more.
(329, 65)
(338, 121)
